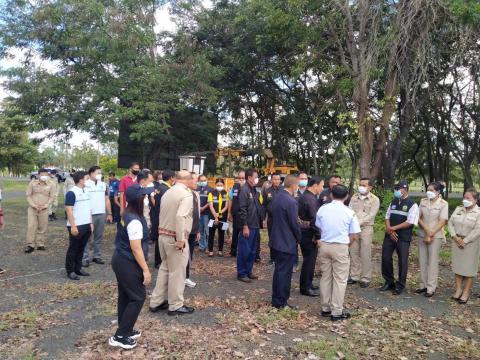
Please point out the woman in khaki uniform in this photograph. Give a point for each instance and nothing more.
(464, 227)
(433, 217)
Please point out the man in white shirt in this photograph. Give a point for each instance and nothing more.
(339, 227)
(99, 197)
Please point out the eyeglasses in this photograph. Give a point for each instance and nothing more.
(240, 178)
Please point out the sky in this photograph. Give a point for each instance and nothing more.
(164, 23)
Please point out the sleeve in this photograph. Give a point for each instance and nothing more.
(230, 193)
(354, 227)
(243, 206)
(52, 194)
(370, 218)
(312, 210)
(70, 198)
(444, 212)
(184, 209)
(29, 194)
(135, 230)
(387, 214)
(412, 217)
(474, 234)
(318, 222)
(451, 226)
(210, 197)
(292, 218)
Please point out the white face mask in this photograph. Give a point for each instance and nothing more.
(467, 203)
(44, 178)
(98, 177)
(363, 190)
(431, 195)
(219, 188)
(255, 181)
(149, 185)
(145, 201)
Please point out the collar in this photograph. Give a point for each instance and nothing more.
(167, 184)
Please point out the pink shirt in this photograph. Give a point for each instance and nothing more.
(125, 183)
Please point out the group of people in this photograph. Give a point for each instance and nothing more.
(178, 211)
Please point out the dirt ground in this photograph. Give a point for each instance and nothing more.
(43, 315)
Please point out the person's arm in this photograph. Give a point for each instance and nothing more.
(212, 208)
(293, 221)
(312, 212)
(227, 202)
(121, 194)
(183, 211)
(354, 229)
(69, 203)
(370, 218)
(388, 229)
(29, 196)
(443, 220)
(474, 234)
(243, 210)
(108, 206)
(135, 234)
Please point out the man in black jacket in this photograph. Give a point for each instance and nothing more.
(308, 206)
(285, 236)
(268, 195)
(233, 207)
(250, 213)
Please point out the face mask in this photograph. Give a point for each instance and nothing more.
(44, 178)
(362, 190)
(255, 181)
(98, 177)
(219, 188)
(431, 195)
(467, 203)
(397, 194)
(202, 183)
(135, 172)
(145, 201)
(149, 185)
(303, 183)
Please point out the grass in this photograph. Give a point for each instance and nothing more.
(14, 185)
(26, 319)
(274, 316)
(347, 349)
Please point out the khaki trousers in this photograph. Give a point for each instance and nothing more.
(171, 275)
(429, 256)
(361, 256)
(334, 265)
(37, 222)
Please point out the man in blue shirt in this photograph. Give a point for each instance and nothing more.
(113, 186)
(338, 227)
(285, 235)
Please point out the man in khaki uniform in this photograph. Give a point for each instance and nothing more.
(433, 215)
(366, 205)
(52, 208)
(175, 225)
(40, 195)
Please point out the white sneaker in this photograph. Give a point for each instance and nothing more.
(189, 283)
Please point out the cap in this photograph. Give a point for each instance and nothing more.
(402, 184)
(134, 192)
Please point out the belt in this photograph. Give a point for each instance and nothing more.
(166, 232)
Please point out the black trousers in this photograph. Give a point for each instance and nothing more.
(309, 254)
(76, 247)
(211, 237)
(191, 245)
(402, 247)
(131, 293)
(115, 210)
(257, 257)
(236, 232)
(282, 278)
(154, 236)
(272, 252)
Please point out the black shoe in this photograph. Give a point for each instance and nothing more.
(421, 291)
(98, 261)
(197, 243)
(253, 277)
(244, 279)
(350, 281)
(2, 271)
(258, 260)
(271, 262)
(82, 273)
(41, 248)
(125, 342)
(287, 306)
(397, 291)
(463, 302)
(29, 249)
(85, 263)
(310, 292)
(326, 313)
(135, 334)
(387, 287)
(184, 310)
(429, 294)
(162, 306)
(315, 287)
(364, 284)
(455, 298)
(54, 217)
(73, 276)
(344, 316)
(50, 218)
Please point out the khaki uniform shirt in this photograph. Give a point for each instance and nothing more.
(55, 184)
(365, 207)
(465, 224)
(40, 193)
(431, 212)
(176, 212)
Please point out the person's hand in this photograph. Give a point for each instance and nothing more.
(147, 277)
(74, 231)
(216, 220)
(460, 242)
(394, 236)
(197, 237)
(246, 232)
(109, 218)
(230, 218)
(428, 239)
(429, 233)
(180, 244)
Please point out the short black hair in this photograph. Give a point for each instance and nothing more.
(472, 191)
(167, 174)
(133, 164)
(334, 176)
(79, 175)
(220, 180)
(250, 172)
(370, 182)
(302, 172)
(437, 186)
(339, 192)
(314, 180)
(93, 169)
(111, 173)
(142, 175)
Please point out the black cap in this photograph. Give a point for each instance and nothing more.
(136, 191)
(402, 184)
(53, 171)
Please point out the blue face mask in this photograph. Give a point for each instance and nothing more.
(202, 183)
(397, 194)
(303, 183)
